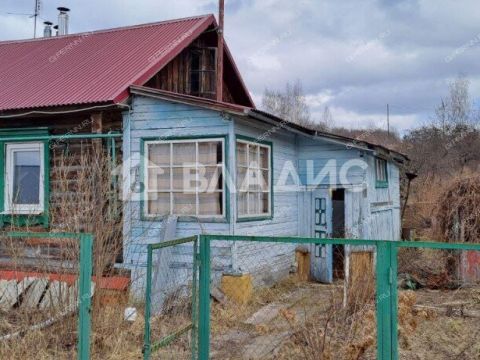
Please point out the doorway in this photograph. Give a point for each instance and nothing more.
(338, 231)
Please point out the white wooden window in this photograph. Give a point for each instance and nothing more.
(254, 169)
(24, 178)
(185, 178)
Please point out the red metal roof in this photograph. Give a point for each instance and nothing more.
(88, 68)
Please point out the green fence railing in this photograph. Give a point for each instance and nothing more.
(84, 283)
(386, 287)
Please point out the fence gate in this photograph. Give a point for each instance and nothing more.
(171, 308)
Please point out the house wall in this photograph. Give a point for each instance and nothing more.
(369, 211)
(70, 151)
(269, 262)
(150, 119)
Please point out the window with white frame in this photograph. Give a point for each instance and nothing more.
(24, 178)
(381, 173)
(185, 178)
(254, 168)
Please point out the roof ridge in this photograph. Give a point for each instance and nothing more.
(101, 31)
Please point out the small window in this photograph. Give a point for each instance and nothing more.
(254, 170)
(185, 178)
(202, 74)
(24, 178)
(381, 173)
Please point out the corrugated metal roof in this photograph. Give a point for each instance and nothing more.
(95, 67)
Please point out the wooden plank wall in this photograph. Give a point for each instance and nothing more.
(53, 250)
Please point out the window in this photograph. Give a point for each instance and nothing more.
(24, 178)
(185, 178)
(202, 75)
(253, 179)
(381, 173)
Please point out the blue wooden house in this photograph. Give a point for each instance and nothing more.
(193, 147)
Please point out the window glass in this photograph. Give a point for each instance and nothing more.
(160, 154)
(26, 177)
(381, 171)
(192, 185)
(184, 154)
(253, 179)
(241, 154)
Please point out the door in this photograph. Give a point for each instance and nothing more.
(321, 255)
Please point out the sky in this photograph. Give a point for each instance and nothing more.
(354, 56)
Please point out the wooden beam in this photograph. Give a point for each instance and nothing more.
(97, 123)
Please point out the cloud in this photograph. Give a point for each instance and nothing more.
(354, 56)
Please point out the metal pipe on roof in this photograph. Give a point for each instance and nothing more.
(47, 31)
(221, 16)
(63, 20)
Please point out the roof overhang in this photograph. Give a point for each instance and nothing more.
(259, 115)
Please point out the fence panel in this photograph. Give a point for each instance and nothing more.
(264, 307)
(171, 306)
(438, 302)
(255, 302)
(45, 294)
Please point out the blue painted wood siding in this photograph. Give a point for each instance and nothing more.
(162, 119)
(369, 211)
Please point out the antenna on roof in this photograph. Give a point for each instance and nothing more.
(221, 15)
(38, 7)
(35, 15)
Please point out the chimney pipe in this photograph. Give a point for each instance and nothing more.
(56, 30)
(221, 15)
(47, 31)
(63, 20)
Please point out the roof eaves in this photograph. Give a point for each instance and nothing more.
(350, 142)
(232, 109)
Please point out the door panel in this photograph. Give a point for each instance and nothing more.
(321, 263)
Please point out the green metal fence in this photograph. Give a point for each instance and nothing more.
(150, 346)
(84, 282)
(386, 287)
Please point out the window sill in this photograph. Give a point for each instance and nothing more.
(24, 219)
(187, 219)
(23, 213)
(254, 218)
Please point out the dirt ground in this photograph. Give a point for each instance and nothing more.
(308, 321)
(292, 320)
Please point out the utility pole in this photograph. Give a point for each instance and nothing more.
(388, 119)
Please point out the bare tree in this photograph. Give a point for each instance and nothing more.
(290, 105)
(456, 108)
(446, 146)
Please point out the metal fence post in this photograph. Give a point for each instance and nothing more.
(386, 271)
(204, 306)
(148, 304)
(84, 296)
(194, 300)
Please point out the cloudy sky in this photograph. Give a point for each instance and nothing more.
(354, 56)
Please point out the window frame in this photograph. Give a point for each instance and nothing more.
(380, 183)
(10, 136)
(145, 142)
(22, 209)
(266, 144)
